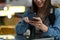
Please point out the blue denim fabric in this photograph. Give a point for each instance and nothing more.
(53, 31)
(19, 37)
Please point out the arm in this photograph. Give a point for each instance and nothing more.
(22, 26)
(55, 30)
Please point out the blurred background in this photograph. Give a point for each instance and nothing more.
(11, 12)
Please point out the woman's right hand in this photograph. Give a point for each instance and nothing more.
(26, 19)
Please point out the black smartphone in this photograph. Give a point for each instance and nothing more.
(34, 19)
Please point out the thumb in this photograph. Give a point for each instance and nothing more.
(38, 18)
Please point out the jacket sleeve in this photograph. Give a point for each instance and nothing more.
(22, 26)
(55, 29)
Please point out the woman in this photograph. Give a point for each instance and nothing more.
(43, 27)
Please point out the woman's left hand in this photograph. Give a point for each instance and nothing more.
(39, 24)
(36, 23)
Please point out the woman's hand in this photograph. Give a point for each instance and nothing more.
(38, 24)
(26, 19)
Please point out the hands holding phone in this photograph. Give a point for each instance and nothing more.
(37, 22)
(33, 20)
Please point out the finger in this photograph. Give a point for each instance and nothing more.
(31, 21)
(38, 18)
(26, 19)
(37, 22)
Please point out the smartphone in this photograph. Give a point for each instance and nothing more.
(34, 19)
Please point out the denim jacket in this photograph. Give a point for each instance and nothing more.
(54, 31)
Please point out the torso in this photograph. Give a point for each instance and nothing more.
(45, 20)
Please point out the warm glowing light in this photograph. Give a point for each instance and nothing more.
(11, 10)
(5, 8)
(17, 8)
(9, 16)
(3, 13)
(7, 36)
